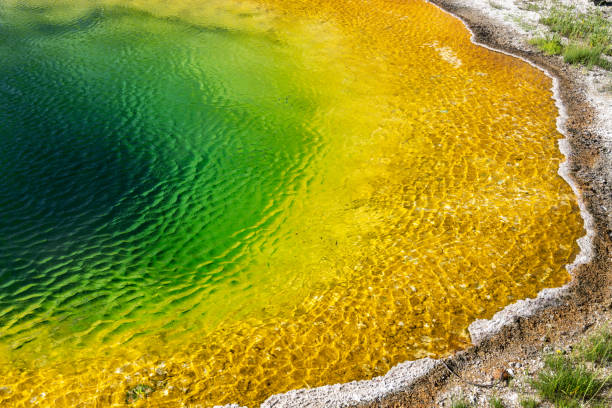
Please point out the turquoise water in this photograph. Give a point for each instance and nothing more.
(140, 160)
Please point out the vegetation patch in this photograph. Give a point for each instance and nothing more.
(496, 403)
(582, 38)
(591, 28)
(460, 403)
(550, 45)
(529, 403)
(598, 348)
(585, 55)
(579, 378)
(138, 392)
(567, 382)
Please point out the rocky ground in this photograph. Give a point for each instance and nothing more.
(509, 378)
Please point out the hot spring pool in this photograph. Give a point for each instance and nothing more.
(220, 200)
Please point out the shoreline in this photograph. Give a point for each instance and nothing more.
(523, 327)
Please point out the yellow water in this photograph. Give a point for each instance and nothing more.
(436, 202)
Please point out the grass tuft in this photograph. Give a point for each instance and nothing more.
(585, 55)
(568, 404)
(591, 27)
(529, 403)
(589, 37)
(598, 348)
(138, 392)
(496, 403)
(550, 45)
(460, 403)
(562, 380)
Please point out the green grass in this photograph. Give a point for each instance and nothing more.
(567, 404)
(591, 27)
(529, 403)
(572, 380)
(598, 347)
(460, 403)
(564, 380)
(589, 37)
(496, 403)
(550, 45)
(138, 392)
(585, 55)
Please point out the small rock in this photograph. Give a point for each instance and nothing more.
(502, 374)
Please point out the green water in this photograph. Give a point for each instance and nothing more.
(140, 159)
